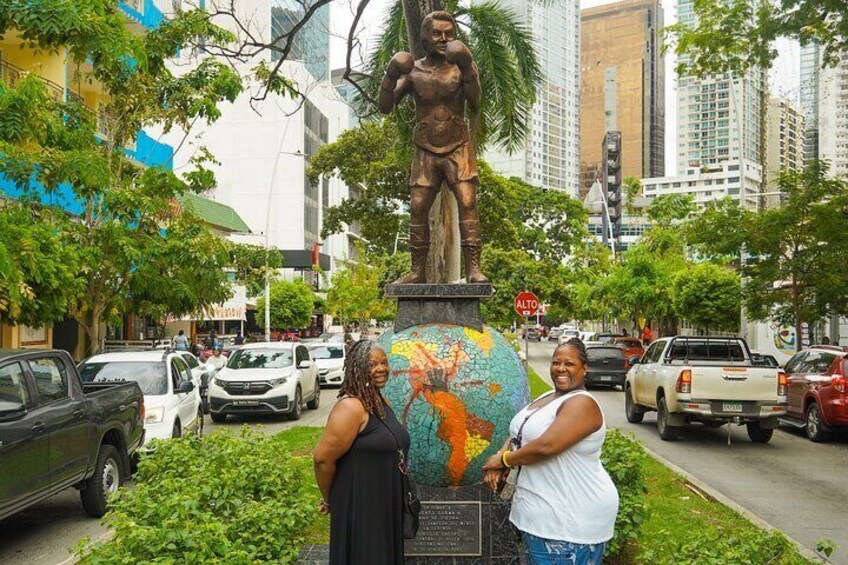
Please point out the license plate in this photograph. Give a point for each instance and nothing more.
(246, 402)
(731, 407)
(606, 378)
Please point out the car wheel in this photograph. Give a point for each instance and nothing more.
(177, 430)
(315, 402)
(632, 411)
(218, 418)
(813, 424)
(757, 433)
(667, 433)
(297, 409)
(103, 482)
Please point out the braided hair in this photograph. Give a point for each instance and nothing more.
(577, 344)
(357, 381)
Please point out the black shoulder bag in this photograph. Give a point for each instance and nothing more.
(411, 503)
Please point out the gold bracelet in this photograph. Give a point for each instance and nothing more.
(504, 461)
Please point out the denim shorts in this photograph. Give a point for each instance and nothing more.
(541, 551)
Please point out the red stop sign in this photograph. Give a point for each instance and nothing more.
(526, 304)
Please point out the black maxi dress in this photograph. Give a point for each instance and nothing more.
(366, 520)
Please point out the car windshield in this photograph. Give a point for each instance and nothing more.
(595, 353)
(260, 359)
(629, 342)
(151, 376)
(328, 352)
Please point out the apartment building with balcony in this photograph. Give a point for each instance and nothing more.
(784, 142)
(68, 81)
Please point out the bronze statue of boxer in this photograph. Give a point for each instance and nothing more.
(441, 84)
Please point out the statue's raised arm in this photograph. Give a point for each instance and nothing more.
(442, 84)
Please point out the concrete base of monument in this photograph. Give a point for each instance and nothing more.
(439, 304)
(459, 526)
(463, 526)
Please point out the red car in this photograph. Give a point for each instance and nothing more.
(631, 346)
(818, 390)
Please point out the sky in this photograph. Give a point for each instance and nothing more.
(783, 78)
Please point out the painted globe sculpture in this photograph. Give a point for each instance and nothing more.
(456, 389)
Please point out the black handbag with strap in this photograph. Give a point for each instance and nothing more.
(411, 503)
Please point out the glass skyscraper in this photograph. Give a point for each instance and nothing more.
(312, 42)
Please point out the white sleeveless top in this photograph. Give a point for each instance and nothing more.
(568, 497)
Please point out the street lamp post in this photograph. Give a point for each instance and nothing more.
(297, 153)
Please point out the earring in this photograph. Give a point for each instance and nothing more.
(367, 384)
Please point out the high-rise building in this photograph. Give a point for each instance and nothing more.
(311, 45)
(833, 117)
(550, 155)
(720, 117)
(784, 139)
(622, 88)
(810, 80)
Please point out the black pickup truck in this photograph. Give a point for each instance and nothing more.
(56, 432)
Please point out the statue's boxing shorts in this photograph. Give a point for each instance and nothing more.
(431, 169)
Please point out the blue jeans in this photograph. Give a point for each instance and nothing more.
(541, 551)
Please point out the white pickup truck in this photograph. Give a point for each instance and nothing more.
(704, 379)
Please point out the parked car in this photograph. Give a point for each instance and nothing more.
(704, 379)
(330, 358)
(171, 390)
(764, 360)
(266, 378)
(58, 432)
(532, 332)
(818, 391)
(554, 333)
(632, 347)
(607, 365)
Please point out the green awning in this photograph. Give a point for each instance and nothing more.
(214, 213)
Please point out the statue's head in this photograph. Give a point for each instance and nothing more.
(437, 30)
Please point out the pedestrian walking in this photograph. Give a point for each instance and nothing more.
(239, 340)
(565, 503)
(181, 341)
(359, 463)
(646, 335)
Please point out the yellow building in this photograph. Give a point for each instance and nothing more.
(622, 88)
(67, 81)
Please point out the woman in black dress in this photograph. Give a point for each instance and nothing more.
(356, 465)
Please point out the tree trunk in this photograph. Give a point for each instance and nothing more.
(444, 258)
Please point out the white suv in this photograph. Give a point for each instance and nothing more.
(171, 391)
(265, 378)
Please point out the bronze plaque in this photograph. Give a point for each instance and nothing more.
(450, 529)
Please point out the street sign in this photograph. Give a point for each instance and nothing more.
(526, 304)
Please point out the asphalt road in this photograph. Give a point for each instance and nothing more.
(46, 533)
(797, 486)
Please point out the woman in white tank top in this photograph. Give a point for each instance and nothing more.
(565, 503)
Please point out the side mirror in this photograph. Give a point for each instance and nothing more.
(633, 360)
(304, 364)
(185, 387)
(10, 411)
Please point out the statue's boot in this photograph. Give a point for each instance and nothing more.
(469, 230)
(419, 247)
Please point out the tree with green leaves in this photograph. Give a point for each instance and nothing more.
(131, 247)
(794, 268)
(356, 294)
(291, 304)
(734, 35)
(708, 296)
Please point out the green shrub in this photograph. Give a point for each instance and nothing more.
(720, 545)
(623, 458)
(228, 499)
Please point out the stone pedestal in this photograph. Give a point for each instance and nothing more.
(457, 304)
(463, 526)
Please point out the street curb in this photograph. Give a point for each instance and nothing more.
(722, 499)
